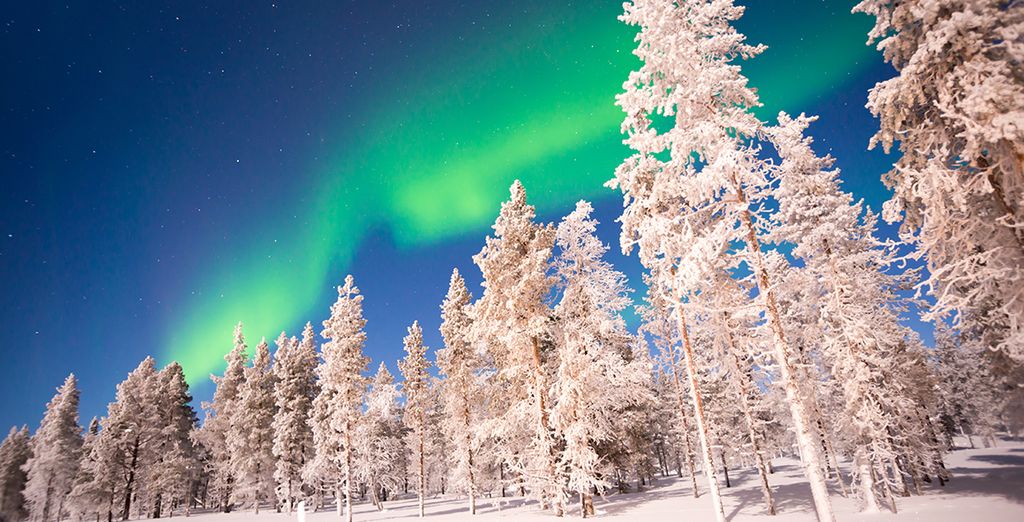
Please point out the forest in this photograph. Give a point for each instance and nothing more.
(772, 321)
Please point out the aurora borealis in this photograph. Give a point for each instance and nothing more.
(316, 142)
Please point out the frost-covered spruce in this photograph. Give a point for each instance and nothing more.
(414, 372)
(457, 363)
(693, 190)
(219, 412)
(732, 328)
(968, 399)
(438, 446)
(95, 483)
(251, 436)
(83, 501)
(14, 453)
(380, 457)
(858, 300)
(596, 384)
(955, 110)
(661, 305)
(174, 469)
(337, 409)
(295, 387)
(56, 445)
(511, 320)
(129, 439)
(661, 328)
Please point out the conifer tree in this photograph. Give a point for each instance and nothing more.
(857, 300)
(968, 398)
(93, 492)
(658, 325)
(733, 332)
(14, 453)
(438, 445)
(50, 471)
(693, 191)
(457, 362)
(251, 435)
(954, 111)
(175, 466)
(414, 371)
(214, 432)
(132, 435)
(380, 457)
(511, 320)
(343, 384)
(296, 386)
(595, 386)
(661, 306)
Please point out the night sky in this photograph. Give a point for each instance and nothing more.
(172, 168)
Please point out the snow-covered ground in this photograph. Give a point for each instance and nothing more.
(988, 484)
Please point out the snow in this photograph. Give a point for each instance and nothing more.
(987, 484)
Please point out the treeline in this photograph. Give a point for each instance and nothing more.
(541, 391)
(773, 320)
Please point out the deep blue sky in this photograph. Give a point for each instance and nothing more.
(155, 155)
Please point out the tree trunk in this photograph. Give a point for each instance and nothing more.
(375, 497)
(131, 480)
(46, 498)
(348, 471)
(687, 446)
(586, 505)
(798, 409)
(866, 479)
(547, 447)
(469, 448)
(698, 410)
(832, 459)
(725, 469)
(422, 479)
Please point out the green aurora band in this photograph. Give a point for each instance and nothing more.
(434, 155)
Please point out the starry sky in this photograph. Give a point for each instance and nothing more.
(172, 168)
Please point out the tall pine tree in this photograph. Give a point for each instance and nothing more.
(56, 446)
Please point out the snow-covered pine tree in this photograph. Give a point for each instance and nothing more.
(438, 445)
(967, 388)
(662, 304)
(457, 363)
(692, 190)
(595, 386)
(251, 435)
(954, 110)
(94, 489)
(733, 329)
(629, 454)
(219, 411)
(337, 408)
(14, 453)
(798, 297)
(116, 474)
(511, 320)
(379, 460)
(56, 446)
(726, 426)
(662, 330)
(915, 437)
(414, 372)
(296, 386)
(133, 432)
(858, 303)
(174, 470)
